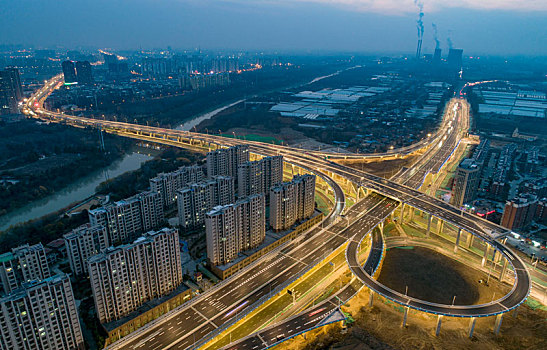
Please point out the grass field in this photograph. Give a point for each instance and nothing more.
(257, 138)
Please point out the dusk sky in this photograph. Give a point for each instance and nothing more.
(477, 26)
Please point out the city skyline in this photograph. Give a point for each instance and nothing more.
(489, 28)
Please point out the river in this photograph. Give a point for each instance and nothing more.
(85, 187)
(188, 125)
(75, 192)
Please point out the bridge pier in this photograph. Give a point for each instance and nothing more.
(440, 226)
(472, 326)
(381, 227)
(438, 328)
(502, 272)
(457, 240)
(498, 257)
(371, 298)
(412, 212)
(401, 217)
(516, 312)
(485, 257)
(470, 239)
(429, 219)
(497, 325)
(404, 318)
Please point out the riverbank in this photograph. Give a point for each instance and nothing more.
(53, 225)
(40, 159)
(76, 191)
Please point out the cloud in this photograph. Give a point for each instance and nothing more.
(398, 7)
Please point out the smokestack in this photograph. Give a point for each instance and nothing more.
(419, 49)
(419, 27)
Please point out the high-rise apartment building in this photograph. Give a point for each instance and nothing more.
(292, 201)
(69, 72)
(250, 178)
(225, 161)
(259, 176)
(283, 206)
(125, 277)
(305, 190)
(11, 91)
(14, 77)
(519, 212)
(233, 228)
(82, 243)
(151, 207)
(41, 315)
(224, 189)
(273, 172)
(198, 198)
(167, 184)
(23, 264)
(466, 182)
(84, 73)
(125, 219)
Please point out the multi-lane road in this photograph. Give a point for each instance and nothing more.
(188, 324)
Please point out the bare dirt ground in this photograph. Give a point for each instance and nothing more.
(379, 327)
(434, 277)
(385, 168)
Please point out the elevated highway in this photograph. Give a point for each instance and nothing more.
(213, 311)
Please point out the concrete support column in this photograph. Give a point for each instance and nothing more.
(457, 240)
(438, 328)
(429, 219)
(485, 257)
(381, 227)
(405, 317)
(497, 325)
(470, 239)
(412, 212)
(371, 299)
(472, 326)
(516, 311)
(498, 257)
(401, 217)
(502, 272)
(440, 225)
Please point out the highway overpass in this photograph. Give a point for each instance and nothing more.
(212, 312)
